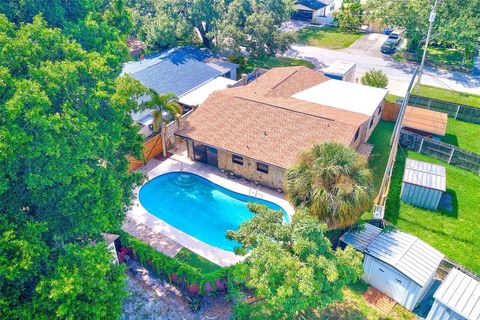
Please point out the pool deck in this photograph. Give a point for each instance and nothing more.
(180, 162)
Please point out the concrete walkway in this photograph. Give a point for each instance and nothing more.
(180, 162)
(158, 241)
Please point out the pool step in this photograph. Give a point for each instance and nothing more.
(185, 180)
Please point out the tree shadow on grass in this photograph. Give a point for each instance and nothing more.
(392, 207)
(450, 139)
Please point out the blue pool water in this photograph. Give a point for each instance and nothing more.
(198, 206)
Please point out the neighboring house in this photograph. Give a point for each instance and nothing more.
(316, 11)
(396, 263)
(457, 298)
(181, 71)
(259, 130)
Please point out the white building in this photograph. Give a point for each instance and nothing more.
(457, 298)
(396, 263)
(316, 11)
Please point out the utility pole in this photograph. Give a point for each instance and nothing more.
(431, 20)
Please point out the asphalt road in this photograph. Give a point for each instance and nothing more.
(399, 74)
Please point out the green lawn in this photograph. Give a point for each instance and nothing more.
(354, 307)
(456, 233)
(447, 95)
(380, 138)
(450, 58)
(392, 98)
(465, 135)
(197, 261)
(327, 37)
(272, 62)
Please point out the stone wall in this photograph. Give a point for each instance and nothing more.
(273, 179)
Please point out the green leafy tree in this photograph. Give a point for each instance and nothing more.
(292, 265)
(84, 283)
(375, 78)
(333, 182)
(410, 15)
(164, 106)
(350, 16)
(65, 132)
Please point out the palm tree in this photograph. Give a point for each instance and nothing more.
(161, 103)
(333, 182)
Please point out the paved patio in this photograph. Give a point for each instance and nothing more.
(179, 161)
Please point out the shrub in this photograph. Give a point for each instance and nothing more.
(375, 78)
(177, 271)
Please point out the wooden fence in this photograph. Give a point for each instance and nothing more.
(390, 111)
(454, 110)
(151, 148)
(440, 150)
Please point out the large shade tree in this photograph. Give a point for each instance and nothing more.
(65, 131)
(333, 182)
(291, 265)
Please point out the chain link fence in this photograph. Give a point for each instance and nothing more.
(454, 110)
(440, 150)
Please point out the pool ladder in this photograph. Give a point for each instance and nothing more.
(255, 192)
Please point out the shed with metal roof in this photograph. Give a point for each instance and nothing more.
(457, 298)
(423, 184)
(396, 263)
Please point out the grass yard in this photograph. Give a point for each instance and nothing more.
(272, 62)
(197, 261)
(354, 307)
(327, 37)
(447, 95)
(380, 138)
(447, 57)
(464, 135)
(456, 233)
(392, 98)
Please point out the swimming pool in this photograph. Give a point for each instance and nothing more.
(198, 206)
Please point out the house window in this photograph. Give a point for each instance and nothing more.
(356, 134)
(371, 123)
(332, 7)
(237, 159)
(379, 110)
(261, 167)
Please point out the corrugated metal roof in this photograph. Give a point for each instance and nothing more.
(425, 174)
(361, 239)
(460, 293)
(339, 68)
(408, 254)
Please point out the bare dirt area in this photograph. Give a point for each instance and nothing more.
(156, 299)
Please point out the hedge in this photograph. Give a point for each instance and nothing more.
(177, 271)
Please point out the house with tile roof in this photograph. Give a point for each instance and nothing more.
(259, 130)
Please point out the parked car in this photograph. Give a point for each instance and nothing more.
(388, 47)
(394, 37)
(392, 41)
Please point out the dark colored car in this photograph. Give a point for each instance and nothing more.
(388, 47)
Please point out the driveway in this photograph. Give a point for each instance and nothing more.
(368, 45)
(293, 25)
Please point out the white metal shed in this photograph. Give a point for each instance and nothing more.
(457, 298)
(423, 184)
(341, 70)
(396, 263)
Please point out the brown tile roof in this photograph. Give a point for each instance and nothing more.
(261, 121)
(426, 120)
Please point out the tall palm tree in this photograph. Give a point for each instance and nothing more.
(161, 103)
(333, 182)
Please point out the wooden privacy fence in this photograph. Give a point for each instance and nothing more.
(151, 148)
(454, 110)
(440, 150)
(390, 111)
